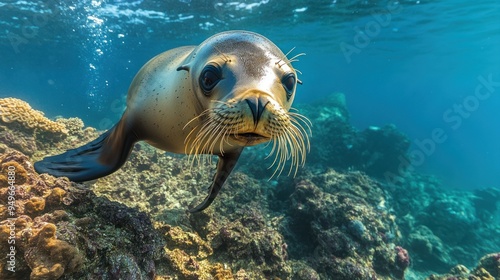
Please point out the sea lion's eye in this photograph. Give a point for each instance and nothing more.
(209, 78)
(288, 82)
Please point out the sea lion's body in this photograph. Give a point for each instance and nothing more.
(159, 108)
(231, 91)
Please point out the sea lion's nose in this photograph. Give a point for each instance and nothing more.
(257, 105)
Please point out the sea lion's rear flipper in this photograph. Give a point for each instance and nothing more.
(224, 167)
(94, 160)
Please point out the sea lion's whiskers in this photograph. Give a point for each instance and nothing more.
(302, 118)
(217, 134)
(195, 142)
(300, 132)
(225, 139)
(290, 51)
(298, 152)
(193, 146)
(301, 121)
(290, 142)
(296, 149)
(283, 58)
(206, 137)
(202, 114)
(295, 57)
(281, 155)
(215, 129)
(278, 153)
(190, 148)
(303, 144)
(283, 152)
(225, 57)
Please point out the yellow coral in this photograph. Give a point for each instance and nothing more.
(49, 257)
(35, 204)
(16, 110)
(189, 242)
(185, 265)
(221, 273)
(20, 174)
(55, 196)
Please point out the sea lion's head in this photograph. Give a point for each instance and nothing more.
(245, 86)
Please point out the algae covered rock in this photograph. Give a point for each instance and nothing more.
(60, 230)
(442, 228)
(343, 234)
(488, 268)
(49, 257)
(332, 221)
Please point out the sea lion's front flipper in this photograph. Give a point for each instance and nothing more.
(94, 160)
(224, 167)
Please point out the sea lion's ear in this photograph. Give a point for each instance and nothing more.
(183, 67)
(299, 82)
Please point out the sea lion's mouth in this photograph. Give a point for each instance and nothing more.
(250, 137)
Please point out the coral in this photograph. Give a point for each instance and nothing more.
(491, 264)
(16, 110)
(402, 257)
(49, 257)
(185, 265)
(55, 196)
(322, 224)
(59, 228)
(488, 268)
(21, 175)
(442, 227)
(35, 204)
(189, 242)
(19, 140)
(304, 272)
(72, 125)
(347, 241)
(428, 246)
(187, 252)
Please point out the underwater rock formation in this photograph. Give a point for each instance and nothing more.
(443, 228)
(13, 110)
(377, 151)
(329, 222)
(343, 228)
(30, 210)
(60, 229)
(30, 132)
(488, 268)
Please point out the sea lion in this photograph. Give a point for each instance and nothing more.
(233, 90)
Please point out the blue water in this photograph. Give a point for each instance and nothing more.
(416, 64)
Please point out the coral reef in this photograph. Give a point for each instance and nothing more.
(30, 132)
(353, 240)
(488, 268)
(376, 151)
(59, 229)
(20, 112)
(337, 219)
(49, 257)
(443, 228)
